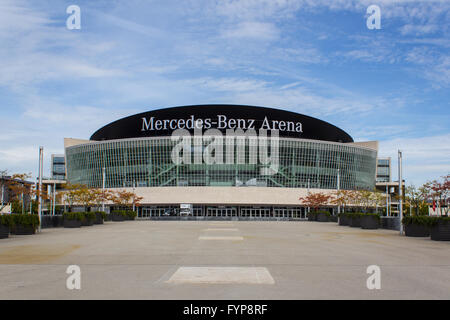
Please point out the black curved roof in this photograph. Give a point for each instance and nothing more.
(135, 127)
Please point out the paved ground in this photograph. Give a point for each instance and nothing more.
(280, 260)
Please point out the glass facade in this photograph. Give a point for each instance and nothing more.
(147, 162)
(58, 167)
(383, 170)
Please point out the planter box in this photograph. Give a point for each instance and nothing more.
(390, 223)
(98, 218)
(333, 219)
(4, 231)
(416, 230)
(322, 217)
(343, 220)
(52, 221)
(72, 223)
(87, 222)
(20, 229)
(369, 222)
(355, 222)
(441, 232)
(117, 217)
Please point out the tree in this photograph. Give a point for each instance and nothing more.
(3, 185)
(70, 194)
(20, 189)
(378, 199)
(415, 198)
(85, 196)
(316, 200)
(439, 192)
(125, 198)
(102, 196)
(340, 198)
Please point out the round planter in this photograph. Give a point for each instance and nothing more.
(416, 230)
(343, 220)
(369, 222)
(322, 217)
(98, 218)
(72, 223)
(24, 230)
(355, 222)
(441, 232)
(4, 231)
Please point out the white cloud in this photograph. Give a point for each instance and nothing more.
(424, 158)
(419, 29)
(252, 30)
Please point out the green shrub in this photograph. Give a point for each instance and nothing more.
(376, 215)
(323, 211)
(421, 220)
(119, 213)
(6, 220)
(131, 214)
(312, 214)
(90, 215)
(103, 214)
(25, 219)
(344, 214)
(355, 215)
(73, 215)
(441, 219)
(127, 214)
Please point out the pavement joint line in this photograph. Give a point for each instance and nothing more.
(221, 229)
(165, 275)
(222, 238)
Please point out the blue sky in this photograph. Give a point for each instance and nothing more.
(313, 57)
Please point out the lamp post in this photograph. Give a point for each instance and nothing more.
(309, 181)
(103, 188)
(54, 198)
(134, 186)
(338, 187)
(387, 201)
(41, 158)
(400, 191)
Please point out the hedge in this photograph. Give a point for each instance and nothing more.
(424, 220)
(25, 219)
(6, 220)
(129, 214)
(79, 215)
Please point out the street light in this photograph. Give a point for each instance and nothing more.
(338, 187)
(41, 167)
(400, 191)
(103, 189)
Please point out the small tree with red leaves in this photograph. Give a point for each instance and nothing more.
(316, 200)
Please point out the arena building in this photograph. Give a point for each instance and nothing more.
(222, 161)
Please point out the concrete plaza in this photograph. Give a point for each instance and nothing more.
(222, 260)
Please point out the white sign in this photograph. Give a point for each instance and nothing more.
(223, 122)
